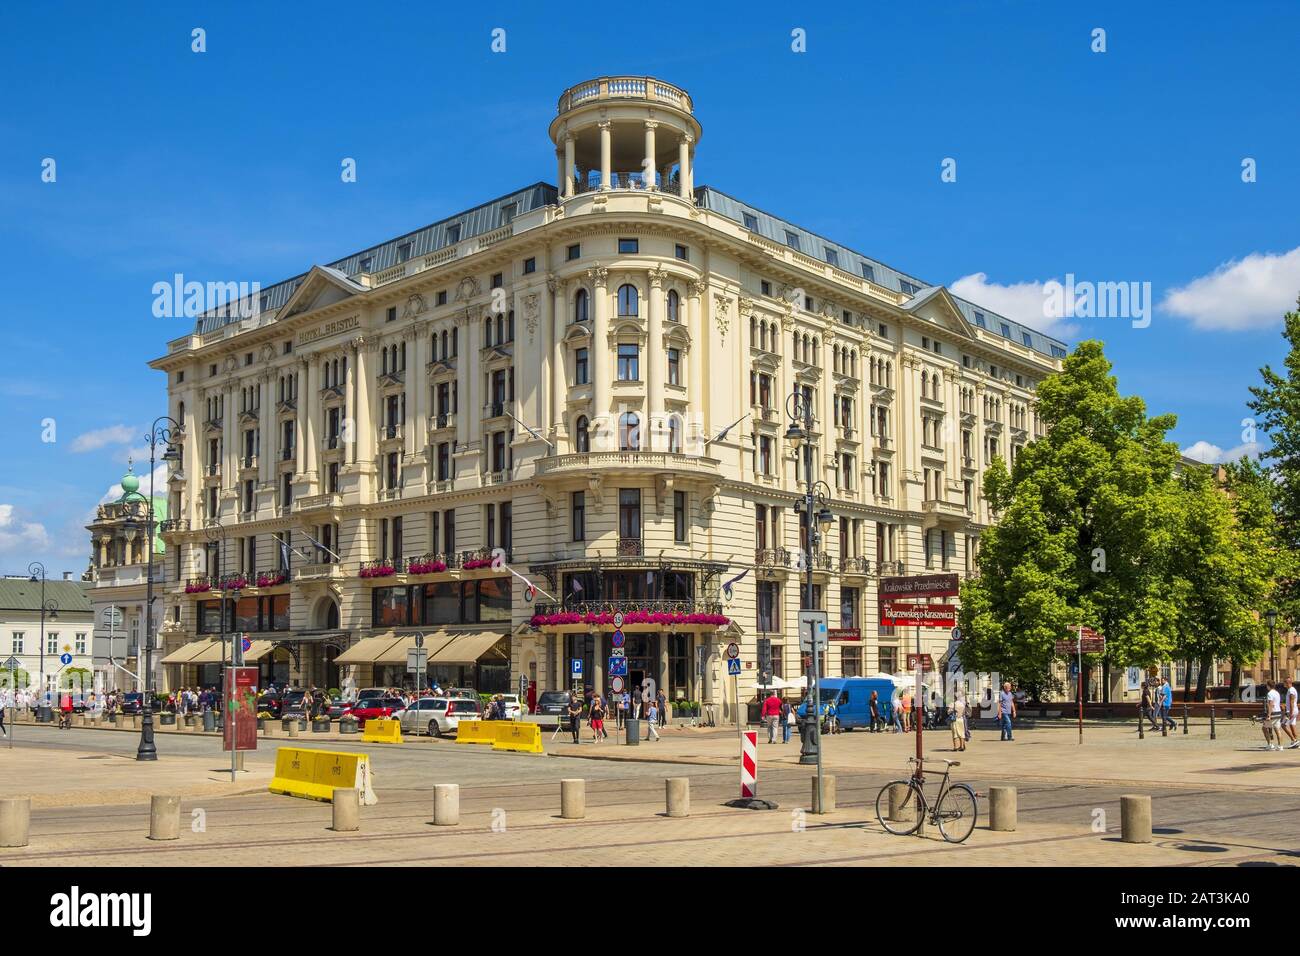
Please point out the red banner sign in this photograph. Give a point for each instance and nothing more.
(919, 586)
(240, 702)
(917, 615)
(844, 634)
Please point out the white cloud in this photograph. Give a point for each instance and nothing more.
(17, 534)
(1025, 302)
(1210, 454)
(102, 437)
(1249, 293)
(159, 485)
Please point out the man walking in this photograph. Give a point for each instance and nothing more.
(662, 700)
(652, 718)
(771, 714)
(575, 717)
(1291, 713)
(1272, 718)
(1167, 706)
(1006, 710)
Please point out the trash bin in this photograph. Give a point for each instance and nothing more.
(209, 721)
(44, 714)
(633, 728)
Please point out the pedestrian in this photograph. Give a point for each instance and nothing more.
(620, 711)
(1006, 710)
(1146, 712)
(652, 718)
(908, 716)
(771, 713)
(597, 719)
(959, 722)
(896, 714)
(4, 703)
(575, 717)
(873, 706)
(1291, 713)
(832, 713)
(787, 721)
(662, 700)
(1167, 706)
(1272, 718)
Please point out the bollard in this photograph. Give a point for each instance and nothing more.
(117, 721)
(828, 793)
(135, 721)
(573, 799)
(446, 804)
(1135, 818)
(269, 729)
(1184, 718)
(347, 809)
(1142, 724)
(677, 795)
(1002, 808)
(15, 820)
(1213, 736)
(165, 816)
(293, 728)
(897, 793)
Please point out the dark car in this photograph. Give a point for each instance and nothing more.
(338, 707)
(553, 702)
(270, 704)
(375, 708)
(294, 703)
(133, 703)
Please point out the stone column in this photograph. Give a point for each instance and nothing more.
(605, 155)
(601, 367)
(559, 171)
(654, 358)
(299, 425)
(310, 413)
(417, 422)
(649, 166)
(696, 391)
(229, 442)
(567, 181)
(265, 429)
(907, 433)
(350, 412)
(684, 165)
(827, 411)
(555, 323)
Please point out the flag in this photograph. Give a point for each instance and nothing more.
(530, 592)
(577, 585)
(284, 554)
(321, 546)
(726, 587)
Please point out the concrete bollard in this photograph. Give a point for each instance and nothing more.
(347, 809)
(1002, 808)
(573, 799)
(269, 729)
(828, 793)
(897, 794)
(677, 796)
(117, 720)
(1135, 818)
(165, 816)
(293, 729)
(15, 820)
(446, 804)
(1213, 735)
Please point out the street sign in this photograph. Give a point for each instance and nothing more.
(919, 586)
(575, 666)
(1069, 646)
(764, 652)
(925, 660)
(956, 633)
(113, 617)
(65, 659)
(616, 685)
(733, 651)
(917, 615)
(733, 667)
(812, 629)
(618, 667)
(245, 643)
(618, 652)
(419, 641)
(618, 638)
(618, 619)
(417, 660)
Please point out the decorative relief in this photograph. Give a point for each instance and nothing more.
(415, 305)
(531, 312)
(467, 289)
(722, 315)
(598, 274)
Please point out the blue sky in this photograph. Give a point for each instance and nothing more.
(1117, 166)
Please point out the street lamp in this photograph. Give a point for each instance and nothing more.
(1271, 616)
(160, 433)
(37, 572)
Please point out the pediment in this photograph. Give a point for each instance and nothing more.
(937, 305)
(321, 287)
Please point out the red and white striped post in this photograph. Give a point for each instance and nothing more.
(749, 764)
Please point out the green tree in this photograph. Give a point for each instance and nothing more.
(1084, 526)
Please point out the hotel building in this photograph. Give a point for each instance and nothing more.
(589, 380)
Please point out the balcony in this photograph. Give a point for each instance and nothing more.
(390, 433)
(308, 503)
(860, 566)
(937, 512)
(764, 414)
(317, 572)
(772, 558)
(820, 560)
(382, 568)
(626, 462)
(199, 585)
(442, 420)
(629, 548)
(214, 470)
(494, 410)
(248, 463)
(624, 88)
(287, 454)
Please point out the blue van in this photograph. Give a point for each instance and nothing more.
(852, 697)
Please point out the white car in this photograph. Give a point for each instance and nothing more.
(514, 709)
(437, 716)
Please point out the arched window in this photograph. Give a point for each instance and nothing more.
(629, 432)
(627, 300)
(487, 331)
(853, 363)
(581, 306)
(673, 307)
(453, 342)
(580, 434)
(753, 328)
(433, 348)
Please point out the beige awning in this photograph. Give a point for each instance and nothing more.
(366, 650)
(211, 654)
(395, 653)
(186, 653)
(257, 650)
(466, 648)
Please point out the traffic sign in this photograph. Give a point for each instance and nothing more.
(245, 643)
(733, 667)
(65, 659)
(906, 614)
(812, 629)
(925, 660)
(618, 619)
(575, 666)
(417, 660)
(618, 652)
(618, 667)
(616, 685)
(113, 617)
(956, 633)
(617, 639)
(419, 641)
(733, 651)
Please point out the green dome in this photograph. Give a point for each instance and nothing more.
(130, 483)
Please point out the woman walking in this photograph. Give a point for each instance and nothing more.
(959, 722)
(598, 718)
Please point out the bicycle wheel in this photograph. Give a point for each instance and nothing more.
(957, 812)
(911, 811)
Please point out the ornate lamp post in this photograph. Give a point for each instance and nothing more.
(817, 516)
(159, 433)
(48, 608)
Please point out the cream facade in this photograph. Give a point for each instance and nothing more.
(590, 382)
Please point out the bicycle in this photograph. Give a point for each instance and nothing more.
(954, 812)
(65, 719)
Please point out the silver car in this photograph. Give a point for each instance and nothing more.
(437, 716)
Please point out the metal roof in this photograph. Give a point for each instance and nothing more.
(851, 261)
(20, 594)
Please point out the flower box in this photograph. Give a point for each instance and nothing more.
(426, 567)
(320, 726)
(474, 564)
(234, 584)
(197, 588)
(631, 617)
(270, 580)
(383, 571)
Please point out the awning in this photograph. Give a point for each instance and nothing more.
(257, 650)
(186, 653)
(395, 653)
(365, 651)
(465, 648)
(211, 654)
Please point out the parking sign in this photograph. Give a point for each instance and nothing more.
(575, 667)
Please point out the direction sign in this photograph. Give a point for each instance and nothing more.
(575, 666)
(616, 685)
(733, 667)
(919, 585)
(925, 660)
(618, 619)
(113, 617)
(618, 667)
(65, 659)
(733, 651)
(417, 659)
(917, 615)
(13, 664)
(812, 629)
(617, 639)
(1069, 646)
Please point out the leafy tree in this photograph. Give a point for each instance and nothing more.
(1085, 526)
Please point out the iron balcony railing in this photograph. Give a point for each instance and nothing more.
(629, 547)
(772, 558)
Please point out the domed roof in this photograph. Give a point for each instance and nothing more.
(130, 483)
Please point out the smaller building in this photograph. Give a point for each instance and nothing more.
(41, 645)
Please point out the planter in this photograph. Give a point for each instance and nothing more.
(261, 723)
(167, 720)
(320, 726)
(347, 726)
(289, 721)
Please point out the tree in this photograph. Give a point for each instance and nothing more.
(1084, 530)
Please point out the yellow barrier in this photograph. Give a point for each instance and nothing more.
(519, 736)
(383, 731)
(476, 732)
(315, 774)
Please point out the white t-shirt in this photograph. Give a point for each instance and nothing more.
(1292, 701)
(1274, 702)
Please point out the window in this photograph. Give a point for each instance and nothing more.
(674, 434)
(629, 432)
(679, 516)
(851, 662)
(573, 252)
(848, 607)
(768, 606)
(979, 320)
(884, 331)
(497, 280)
(629, 514)
(581, 438)
(579, 522)
(868, 272)
(674, 367)
(51, 642)
(403, 252)
(581, 306)
(629, 246)
(444, 463)
(628, 363)
(908, 287)
(681, 252)
(832, 257)
(392, 314)
(765, 287)
(1058, 352)
(580, 374)
(751, 221)
(441, 298)
(453, 233)
(674, 306)
(764, 455)
(1006, 330)
(18, 642)
(792, 240)
(530, 266)
(508, 212)
(1027, 339)
(628, 300)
